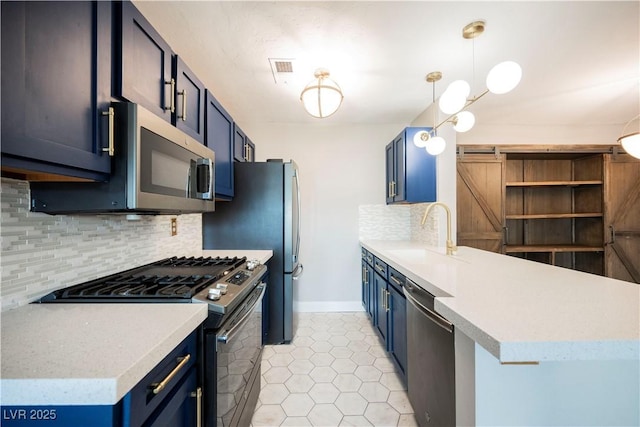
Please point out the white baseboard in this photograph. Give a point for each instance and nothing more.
(326, 306)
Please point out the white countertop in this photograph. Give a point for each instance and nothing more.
(87, 354)
(520, 310)
(91, 354)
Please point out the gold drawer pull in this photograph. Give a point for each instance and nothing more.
(182, 361)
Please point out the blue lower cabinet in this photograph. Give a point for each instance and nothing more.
(397, 337)
(167, 396)
(388, 307)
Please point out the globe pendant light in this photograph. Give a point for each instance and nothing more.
(504, 77)
(463, 121)
(631, 141)
(321, 97)
(435, 145)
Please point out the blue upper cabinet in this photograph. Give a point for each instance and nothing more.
(410, 170)
(56, 84)
(189, 101)
(243, 149)
(145, 60)
(219, 137)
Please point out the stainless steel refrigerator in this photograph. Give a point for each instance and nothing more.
(264, 214)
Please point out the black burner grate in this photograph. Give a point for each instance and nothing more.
(171, 279)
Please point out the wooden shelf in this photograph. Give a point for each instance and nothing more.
(552, 248)
(555, 215)
(552, 183)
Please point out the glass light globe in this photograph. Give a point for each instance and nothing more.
(435, 145)
(450, 103)
(504, 77)
(631, 144)
(465, 121)
(459, 88)
(420, 139)
(321, 97)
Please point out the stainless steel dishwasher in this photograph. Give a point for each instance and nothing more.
(430, 360)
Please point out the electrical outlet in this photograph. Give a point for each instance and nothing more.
(174, 226)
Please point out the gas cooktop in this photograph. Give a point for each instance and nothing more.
(168, 280)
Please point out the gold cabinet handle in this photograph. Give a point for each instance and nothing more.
(198, 395)
(183, 93)
(110, 149)
(182, 361)
(172, 106)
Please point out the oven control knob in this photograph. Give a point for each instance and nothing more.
(214, 294)
(222, 287)
(252, 264)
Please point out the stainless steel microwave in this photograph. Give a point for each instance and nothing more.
(156, 169)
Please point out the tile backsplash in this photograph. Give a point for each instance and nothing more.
(41, 252)
(396, 222)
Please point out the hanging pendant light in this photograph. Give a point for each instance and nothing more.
(322, 96)
(631, 141)
(502, 78)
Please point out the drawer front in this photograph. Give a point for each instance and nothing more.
(396, 279)
(141, 401)
(380, 267)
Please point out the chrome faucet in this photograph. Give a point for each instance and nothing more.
(451, 248)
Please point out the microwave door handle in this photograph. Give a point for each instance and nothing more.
(188, 185)
(208, 193)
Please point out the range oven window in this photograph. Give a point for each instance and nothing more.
(233, 352)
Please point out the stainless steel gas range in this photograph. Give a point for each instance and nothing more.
(230, 338)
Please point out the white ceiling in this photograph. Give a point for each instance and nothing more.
(580, 60)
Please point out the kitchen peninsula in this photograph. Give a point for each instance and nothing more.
(535, 344)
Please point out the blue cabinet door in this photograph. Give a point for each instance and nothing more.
(410, 170)
(219, 137)
(380, 297)
(144, 72)
(399, 174)
(398, 330)
(243, 149)
(389, 172)
(189, 101)
(56, 83)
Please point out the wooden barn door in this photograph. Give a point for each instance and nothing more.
(622, 217)
(480, 201)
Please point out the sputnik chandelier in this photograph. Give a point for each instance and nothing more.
(502, 78)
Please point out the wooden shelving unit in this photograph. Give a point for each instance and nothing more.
(570, 206)
(554, 210)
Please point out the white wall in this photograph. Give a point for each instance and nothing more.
(341, 168)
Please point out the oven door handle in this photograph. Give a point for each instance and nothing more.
(228, 335)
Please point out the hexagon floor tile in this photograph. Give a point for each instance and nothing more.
(335, 372)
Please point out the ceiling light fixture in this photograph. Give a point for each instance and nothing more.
(502, 78)
(322, 96)
(631, 141)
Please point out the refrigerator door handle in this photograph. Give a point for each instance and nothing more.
(297, 272)
(297, 253)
